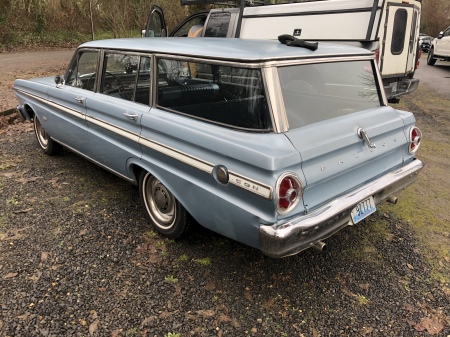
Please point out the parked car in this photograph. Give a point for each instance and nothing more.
(440, 48)
(275, 145)
(425, 42)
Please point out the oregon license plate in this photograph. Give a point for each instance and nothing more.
(363, 210)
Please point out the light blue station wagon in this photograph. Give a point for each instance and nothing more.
(276, 146)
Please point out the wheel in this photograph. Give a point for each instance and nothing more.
(165, 213)
(48, 145)
(430, 58)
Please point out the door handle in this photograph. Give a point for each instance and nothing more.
(131, 116)
(80, 99)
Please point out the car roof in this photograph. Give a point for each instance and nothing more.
(225, 48)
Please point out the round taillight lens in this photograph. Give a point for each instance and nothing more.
(415, 137)
(288, 192)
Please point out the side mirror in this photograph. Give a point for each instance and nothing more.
(59, 80)
(441, 34)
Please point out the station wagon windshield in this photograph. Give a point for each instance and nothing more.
(318, 92)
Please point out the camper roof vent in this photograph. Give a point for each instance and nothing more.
(290, 40)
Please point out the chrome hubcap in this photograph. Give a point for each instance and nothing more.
(160, 203)
(40, 133)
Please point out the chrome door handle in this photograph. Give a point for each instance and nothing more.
(80, 99)
(131, 116)
(363, 135)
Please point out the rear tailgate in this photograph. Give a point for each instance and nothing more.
(335, 160)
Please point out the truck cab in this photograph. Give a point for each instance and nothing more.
(389, 28)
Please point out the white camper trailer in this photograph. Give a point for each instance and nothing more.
(389, 28)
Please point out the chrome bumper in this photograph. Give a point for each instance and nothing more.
(397, 89)
(300, 233)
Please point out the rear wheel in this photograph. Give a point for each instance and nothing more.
(48, 145)
(430, 58)
(165, 213)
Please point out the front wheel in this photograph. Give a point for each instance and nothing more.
(430, 58)
(48, 145)
(165, 213)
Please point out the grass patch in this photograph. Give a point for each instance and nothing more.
(424, 205)
(204, 262)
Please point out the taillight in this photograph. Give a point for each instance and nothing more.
(288, 192)
(415, 137)
(419, 55)
(377, 55)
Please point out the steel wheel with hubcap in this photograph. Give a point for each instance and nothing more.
(48, 145)
(164, 211)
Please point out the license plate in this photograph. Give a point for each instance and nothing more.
(363, 210)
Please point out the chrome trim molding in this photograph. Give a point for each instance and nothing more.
(302, 232)
(236, 179)
(275, 96)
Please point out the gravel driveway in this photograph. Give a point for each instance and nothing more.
(77, 258)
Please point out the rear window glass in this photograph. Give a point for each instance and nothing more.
(225, 95)
(218, 25)
(317, 92)
(399, 31)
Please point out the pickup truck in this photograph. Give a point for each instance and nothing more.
(440, 48)
(389, 28)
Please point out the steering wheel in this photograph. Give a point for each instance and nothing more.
(109, 87)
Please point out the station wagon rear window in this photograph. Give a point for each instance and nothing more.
(322, 91)
(225, 95)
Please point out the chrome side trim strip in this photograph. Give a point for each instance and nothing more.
(55, 105)
(235, 178)
(121, 132)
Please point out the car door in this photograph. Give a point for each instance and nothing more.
(395, 46)
(68, 123)
(444, 43)
(114, 113)
(156, 24)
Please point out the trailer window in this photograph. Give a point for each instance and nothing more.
(318, 92)
(399, 31)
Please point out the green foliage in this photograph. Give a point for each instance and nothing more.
(171, 334)
(204, 262)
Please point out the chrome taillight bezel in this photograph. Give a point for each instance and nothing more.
(299, 192)
(414, 144)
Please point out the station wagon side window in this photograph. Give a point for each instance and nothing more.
(82, 72)
(221, 94)
(142, 93)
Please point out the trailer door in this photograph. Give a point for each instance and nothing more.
(397, 47)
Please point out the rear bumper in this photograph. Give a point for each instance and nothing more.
(300, 233)
(397, 89)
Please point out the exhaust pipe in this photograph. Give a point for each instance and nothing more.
(392, 199)
(320, 246)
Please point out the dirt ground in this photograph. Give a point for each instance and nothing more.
(77, 257)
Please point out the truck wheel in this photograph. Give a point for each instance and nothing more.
(167, 216)
(430, 59)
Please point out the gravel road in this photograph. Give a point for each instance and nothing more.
(77, 258)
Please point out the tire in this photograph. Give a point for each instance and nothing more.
(48, 145)
(430, 58)
(164, 212)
